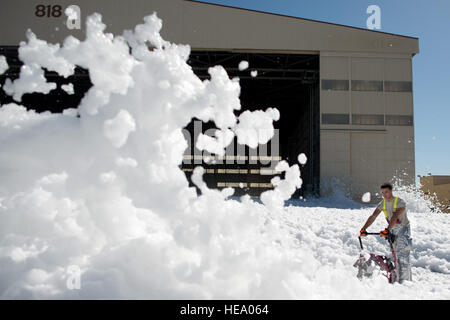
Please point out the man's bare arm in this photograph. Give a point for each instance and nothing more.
(395, 216)
(372, 218)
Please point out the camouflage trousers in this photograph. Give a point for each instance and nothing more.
(402, 248)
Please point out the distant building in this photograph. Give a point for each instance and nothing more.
(345, 94)
(439, 186)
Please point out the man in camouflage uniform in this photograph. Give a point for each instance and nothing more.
(394, 210)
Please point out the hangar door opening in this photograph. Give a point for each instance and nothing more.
(288, 82)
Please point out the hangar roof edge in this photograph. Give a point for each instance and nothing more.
(299, 18)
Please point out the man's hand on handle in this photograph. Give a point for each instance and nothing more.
(385, 233)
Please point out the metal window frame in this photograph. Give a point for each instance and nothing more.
(336, 118)
(367, 85)
(335, 84)
(368, 119)
(399, 120)
(398, 86)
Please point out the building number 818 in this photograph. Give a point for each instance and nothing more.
(48, 11)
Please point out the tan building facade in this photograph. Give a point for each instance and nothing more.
(367, 126)
(438, 186)
(364, 105)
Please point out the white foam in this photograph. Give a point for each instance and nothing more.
(243, 65)
(366, 197)
(302, 158)
(3, 64)
(68, 88)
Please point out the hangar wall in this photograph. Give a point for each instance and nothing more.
(367, 132)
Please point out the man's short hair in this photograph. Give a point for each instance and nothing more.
(386, 185)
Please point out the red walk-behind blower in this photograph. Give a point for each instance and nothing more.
(387, 265)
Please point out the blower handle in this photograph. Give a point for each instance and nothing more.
(375, 234)
(360, 243)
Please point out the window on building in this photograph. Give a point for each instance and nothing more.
(335, 118)
(341, 85)
(368, 119)
(367, 85)
(398, 86)
(399, 120)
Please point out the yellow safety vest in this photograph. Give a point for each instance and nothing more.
(393, 210)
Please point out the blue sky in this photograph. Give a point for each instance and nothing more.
(429, 20)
